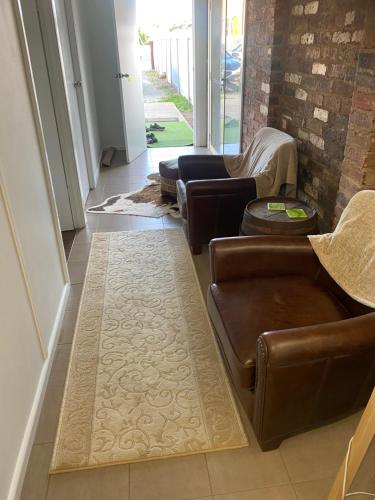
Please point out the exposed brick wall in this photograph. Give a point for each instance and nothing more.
(358, 168)
(277, 71)
(320, 65)
(320, 92)
(257, 79)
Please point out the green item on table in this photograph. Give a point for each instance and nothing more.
(296, 213)
(276, 206)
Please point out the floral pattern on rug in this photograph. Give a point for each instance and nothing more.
(146, 379)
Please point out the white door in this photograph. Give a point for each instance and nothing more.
(71, 90)
(130, 77)
(226, 74)
(233, 75)
(217, 58)
(76, 41)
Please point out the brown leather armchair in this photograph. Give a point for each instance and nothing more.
(300, 351)
(211, 203)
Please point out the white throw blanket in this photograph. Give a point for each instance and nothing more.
(348, 254)
(271, 159)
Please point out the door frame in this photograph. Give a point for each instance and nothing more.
(209, 144)
(72, 31)
(201, 71)
(48, 26)
(200, 13)
(119, 82)
(244, 44)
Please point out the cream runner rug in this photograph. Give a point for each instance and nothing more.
(145, 379)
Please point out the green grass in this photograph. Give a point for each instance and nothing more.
(178, 100)
(232, 134)
(175, 134)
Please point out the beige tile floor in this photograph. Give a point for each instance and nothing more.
(302, 468)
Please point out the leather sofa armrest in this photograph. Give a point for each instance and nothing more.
(309, 376)
(195, 167)
(215, 208)
(217, 187)
(254, 256)
(309, 343)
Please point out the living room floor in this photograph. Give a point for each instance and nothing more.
(302, 468)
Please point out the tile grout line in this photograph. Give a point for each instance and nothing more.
(254, 489)
(294, 491)
(208, 474)
(288, 474)
(285, 465)
(313, 480)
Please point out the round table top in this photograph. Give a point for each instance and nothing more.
(258, 217)
(259, 208)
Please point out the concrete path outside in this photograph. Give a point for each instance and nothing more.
(154, 89)
(162, 111)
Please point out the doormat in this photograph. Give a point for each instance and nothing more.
(146, 380)
(148, 202)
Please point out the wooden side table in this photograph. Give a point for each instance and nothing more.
(257, 219)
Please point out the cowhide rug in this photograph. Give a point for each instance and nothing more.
(148, 202)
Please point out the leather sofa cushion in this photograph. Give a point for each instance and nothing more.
(247, 308)
(181, 198)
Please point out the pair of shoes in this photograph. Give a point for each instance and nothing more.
(151, 139)
(155, 126)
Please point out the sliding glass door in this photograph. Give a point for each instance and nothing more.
(217, 58)
(226, 68)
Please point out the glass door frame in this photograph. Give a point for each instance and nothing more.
(210, 144)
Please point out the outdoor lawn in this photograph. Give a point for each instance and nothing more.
(176, 133)
(232, 130)
(165, 106)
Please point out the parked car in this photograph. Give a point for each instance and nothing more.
(231, 62)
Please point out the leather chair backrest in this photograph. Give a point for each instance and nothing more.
(354, 307)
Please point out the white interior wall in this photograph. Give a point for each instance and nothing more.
(33, 277)
(20, 357)
(23, 176)
(102, 41)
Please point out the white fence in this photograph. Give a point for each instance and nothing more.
(174, 58)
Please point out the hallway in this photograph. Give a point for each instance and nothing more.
(121, 178)
(302, 468)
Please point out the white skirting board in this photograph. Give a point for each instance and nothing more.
(15, 489)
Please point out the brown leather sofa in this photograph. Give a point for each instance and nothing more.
(211, 203)
(300, 351)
